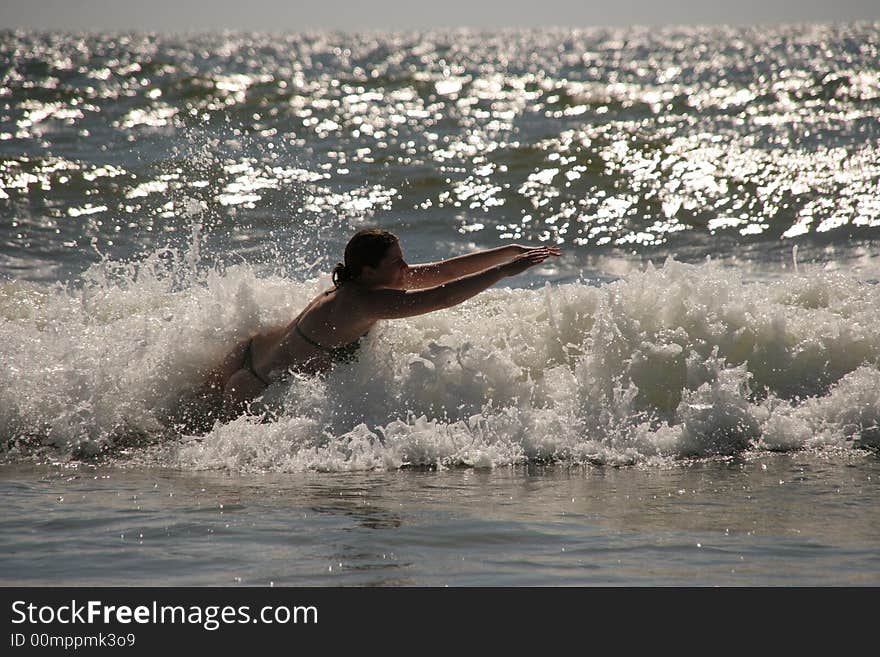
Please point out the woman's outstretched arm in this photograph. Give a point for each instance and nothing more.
(436, 273)
(388, 303)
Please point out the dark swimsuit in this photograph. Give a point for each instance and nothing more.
(248, 363)
(343, 354)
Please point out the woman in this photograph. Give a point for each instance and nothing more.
(375, 282)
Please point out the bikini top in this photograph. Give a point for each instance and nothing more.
(341, 354)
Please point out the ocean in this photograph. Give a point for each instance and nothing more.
(688, 396)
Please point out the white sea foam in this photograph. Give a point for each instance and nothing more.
(675, 362)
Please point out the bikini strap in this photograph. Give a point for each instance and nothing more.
(351, 345)
(249, 363)
(308, 339)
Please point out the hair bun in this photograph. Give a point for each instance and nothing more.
(341, 273)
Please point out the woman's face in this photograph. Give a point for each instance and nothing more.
(392, 268)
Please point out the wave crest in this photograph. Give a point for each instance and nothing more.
(672, 362)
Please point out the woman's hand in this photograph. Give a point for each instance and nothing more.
(520, 249)
(529, 258)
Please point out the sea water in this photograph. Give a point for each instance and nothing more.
(689, 395)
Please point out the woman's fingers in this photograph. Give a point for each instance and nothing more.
(534, 256)
(550, 250)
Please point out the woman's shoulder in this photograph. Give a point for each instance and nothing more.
(349, 297)
(356, 300)
(345, 291)
(339, 306)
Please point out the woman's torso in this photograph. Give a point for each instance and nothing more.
(332, 319)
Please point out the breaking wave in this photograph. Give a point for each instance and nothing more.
(677, 361)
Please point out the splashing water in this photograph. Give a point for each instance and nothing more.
(671, 362)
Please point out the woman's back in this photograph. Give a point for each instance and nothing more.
(331, 322)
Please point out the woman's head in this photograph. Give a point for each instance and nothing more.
(373, 255)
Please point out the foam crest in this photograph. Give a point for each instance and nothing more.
(682, 361)
(673, 362)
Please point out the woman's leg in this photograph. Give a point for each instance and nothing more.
(229, 387)
(241, 388)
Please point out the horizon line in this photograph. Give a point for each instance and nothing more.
(450, 28)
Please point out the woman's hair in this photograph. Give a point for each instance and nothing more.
(367, 247)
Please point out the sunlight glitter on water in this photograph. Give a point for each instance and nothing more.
(632, 139)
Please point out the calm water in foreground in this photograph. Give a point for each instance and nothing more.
(770, 520)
